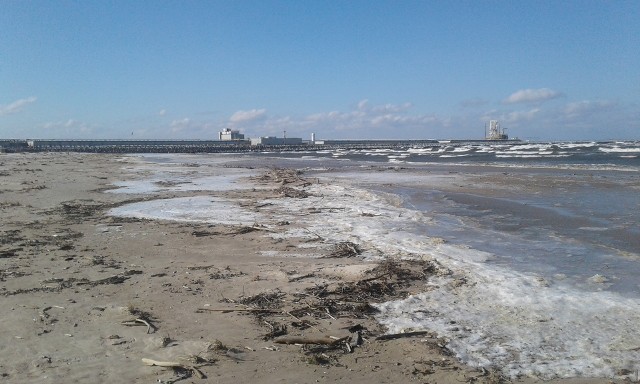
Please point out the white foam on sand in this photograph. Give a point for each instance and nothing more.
(204, 209)
(182, 173)
(520, 322)
(165, 182)
(490, 315)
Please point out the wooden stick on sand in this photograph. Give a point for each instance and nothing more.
(173, 364)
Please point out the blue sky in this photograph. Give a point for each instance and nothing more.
(547, 70)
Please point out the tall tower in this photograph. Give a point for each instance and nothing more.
(494, 130)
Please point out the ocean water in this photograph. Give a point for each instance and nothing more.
(538, 243)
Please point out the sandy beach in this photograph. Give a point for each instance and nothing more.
(93, 297)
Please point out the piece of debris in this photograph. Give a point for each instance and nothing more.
(310, 340)
(292, 192)
(174, 364)
(345, 249)
(402, 335)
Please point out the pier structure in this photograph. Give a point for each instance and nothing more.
(122, 146)
(200, 146)
(221, 146)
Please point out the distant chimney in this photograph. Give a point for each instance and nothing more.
(313, 138)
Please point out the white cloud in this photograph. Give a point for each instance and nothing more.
(180, 125)
(162, 112)
(363, 120)
(16, 106)
(392, 108)
(197, 129)
(248, 116)
(579, 120)
(586, 107)
(68, 127)
(532, 96)
(365, 106)
(520, 116)
(473, 103)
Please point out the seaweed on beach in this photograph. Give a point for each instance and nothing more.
(245, 229)
(330, 301)
(271, 300)
(389, 280)
(11, 273)
(55, 284)
(404, 271)
(10, 204)
(287, 179)
(139, 313)
(78, 209)
(81, 209)
(204, 233)
(292, 192)
(9, 253)
(104, 261)
(14, 241)
(224, 274)
(283, 176)
(345, 249)
(276, 329)
(11, 236)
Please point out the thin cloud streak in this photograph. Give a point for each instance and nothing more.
(586, 107)
(532, 96)
(16, 106)
(248, 116)
(69, 128)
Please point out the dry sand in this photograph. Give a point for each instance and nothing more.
(78, 288)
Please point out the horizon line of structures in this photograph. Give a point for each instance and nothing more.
(228, 141)
(197, 146)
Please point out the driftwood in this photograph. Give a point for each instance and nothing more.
(174, 364)
(311, 340)
(248, 229)
(139, 322)
(225, 310)
(171, 364)
(204, 233)
(297, 278)
(395, 336)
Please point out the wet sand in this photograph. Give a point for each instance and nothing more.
(87, 296)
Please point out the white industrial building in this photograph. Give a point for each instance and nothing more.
(228, 134)
(495, 132)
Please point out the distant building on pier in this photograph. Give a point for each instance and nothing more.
(272, 140)
(228, 134)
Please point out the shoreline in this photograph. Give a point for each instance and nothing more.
(72, 277)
